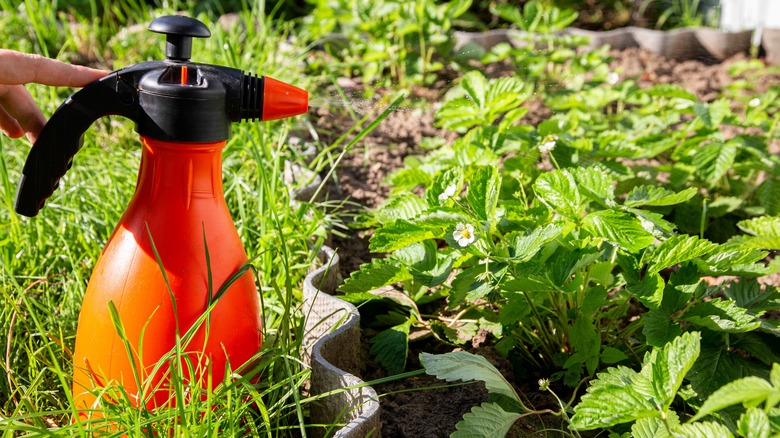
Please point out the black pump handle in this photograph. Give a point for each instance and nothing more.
(52, 154)
(179, 31)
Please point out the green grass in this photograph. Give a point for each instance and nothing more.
(46, 261)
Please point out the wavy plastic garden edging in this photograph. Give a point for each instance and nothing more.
(332, 340)
(681, 44)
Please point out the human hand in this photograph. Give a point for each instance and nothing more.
(19, 115)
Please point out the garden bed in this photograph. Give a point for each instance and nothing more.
(428, 412)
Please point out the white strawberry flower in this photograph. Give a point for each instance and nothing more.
(754, 102)
(448, 192)
(612, 78)
(464, 234)
(549, 143)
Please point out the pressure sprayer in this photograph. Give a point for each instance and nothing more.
(154, 269)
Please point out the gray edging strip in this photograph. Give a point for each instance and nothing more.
(680, 44)
(332, 342)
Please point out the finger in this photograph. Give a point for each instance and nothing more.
(9, 125)
(21, 68)
(18, 103)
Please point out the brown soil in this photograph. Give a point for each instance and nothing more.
(362, 175)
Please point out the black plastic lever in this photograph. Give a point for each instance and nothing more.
(52, 154)
(179, 31)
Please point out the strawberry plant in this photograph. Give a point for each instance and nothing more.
(654, 399)
(585, 242)
(387, 39)
(544, 56)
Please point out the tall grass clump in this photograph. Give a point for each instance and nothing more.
(45, 262)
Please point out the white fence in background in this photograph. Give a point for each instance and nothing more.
(737, 15)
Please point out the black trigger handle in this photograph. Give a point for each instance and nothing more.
(62, 136)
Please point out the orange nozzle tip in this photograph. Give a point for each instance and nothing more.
(281, 100)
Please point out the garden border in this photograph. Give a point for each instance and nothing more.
(700, 43)
(332, 348)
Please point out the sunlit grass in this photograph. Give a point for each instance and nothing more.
(47, 260)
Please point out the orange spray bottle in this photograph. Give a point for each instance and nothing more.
(183, 112)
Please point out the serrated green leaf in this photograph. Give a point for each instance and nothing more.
(649, 428)
(391, 347)
(446, 185)
(731, 259)
(458, 113)
(763, 345)
(678, 249)
(435, 275)
(585, 339)
(657, 196)
(456, 8)
(769, 196)
(712, 114)
(684, 284)
(703, 430)
(748, 390)
(400, 233)
(558, 190)
(713, 160)
(458, 334)
(612, 355)
(595, 298)
(596, 184)
(721, 315)
(510, 118)
(723, 205)
(502, 93)
(668, 91)
(754, 423)
(610, 400)
(749, 294)
(409, 178)
(401, 206)
(425, 262)
(476, 85)
(392, 318)
(487, 420)
(619, 228)
(654, 223)
(419, 255)
(508, 12)
(525, 247)
(465, 366)
(475, 282)
(483, 192)
(659, 328)
(765, 231)
(481, 102)
(663, 370)
(718, 367)
(566, 262)
(745, 293)
(515, 309)
(373, 275)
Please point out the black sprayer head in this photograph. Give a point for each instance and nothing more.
(171, 100)
(179, 31)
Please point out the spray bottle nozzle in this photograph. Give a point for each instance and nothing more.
(266, 98)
